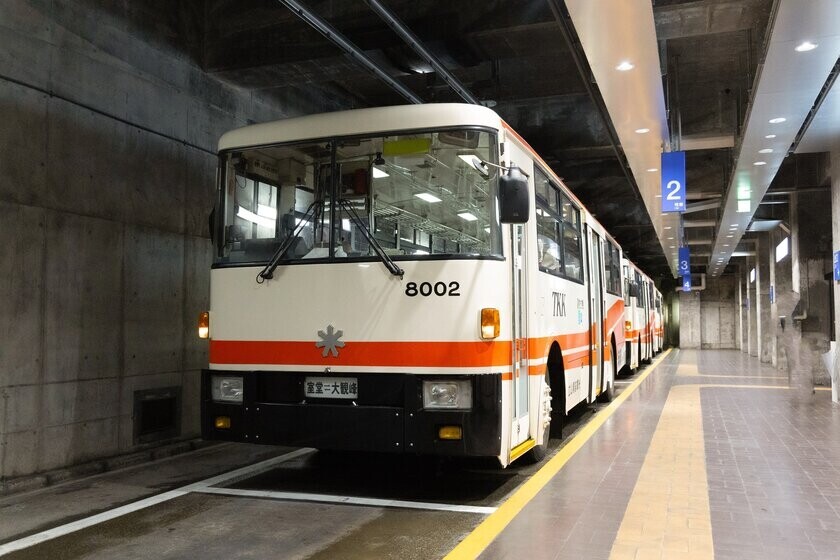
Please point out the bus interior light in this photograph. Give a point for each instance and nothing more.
(490, 323)
(450, 432)
(204, 325)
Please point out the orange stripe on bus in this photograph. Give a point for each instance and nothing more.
(397, 354)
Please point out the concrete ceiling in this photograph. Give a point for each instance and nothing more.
(513, 55)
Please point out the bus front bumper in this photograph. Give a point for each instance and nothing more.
(387, 416)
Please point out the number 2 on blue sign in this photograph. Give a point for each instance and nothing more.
(673, 194)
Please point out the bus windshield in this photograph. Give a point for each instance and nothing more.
(418, 194)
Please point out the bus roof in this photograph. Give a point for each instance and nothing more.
(361, 121)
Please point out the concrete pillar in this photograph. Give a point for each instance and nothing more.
(835, 246)
(773, 323)
(690, 333)
(752, 279)
(739, 338)
(766, 330)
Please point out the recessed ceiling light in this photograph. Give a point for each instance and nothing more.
(759, 163)
(730, 236)
(805, 46)
(428, 197)
(642, 130)
(467, 216)
(672, 247)
(777, 120)
(670, 238)
(766, 151)
(725, 245)
(667, 227)
(653, 170)
(770, 136)
(624, 66)
(733, 225)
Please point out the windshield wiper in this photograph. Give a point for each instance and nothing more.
(377, 248)
(311, 214)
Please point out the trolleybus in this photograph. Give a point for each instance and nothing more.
(409, 279)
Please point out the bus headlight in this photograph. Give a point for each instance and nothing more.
(226, 388)
(447, 394)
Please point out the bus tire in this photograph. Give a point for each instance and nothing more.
(557, 382)
(539, 451)
(607, 392)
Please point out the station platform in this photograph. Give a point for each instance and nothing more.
(702, 454)
(712, 455)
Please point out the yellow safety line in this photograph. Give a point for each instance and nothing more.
(481, 537)
(668, 513)
(733, 376)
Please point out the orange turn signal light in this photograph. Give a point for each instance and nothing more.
(490, 323)
(450, 432)
(204, 325)
(628, 326)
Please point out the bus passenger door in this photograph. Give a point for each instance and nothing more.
(596, 315)
(521, 419)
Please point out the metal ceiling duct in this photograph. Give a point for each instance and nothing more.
(331, 33)
(411, 39)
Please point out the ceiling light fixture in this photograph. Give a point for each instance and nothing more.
(805, 46)
(428, 197)
(777, 120)
(624, 66)
(760, 163)
(467, 216)
(653, 170)
(766, 151)
(642, 130)
(770, 136)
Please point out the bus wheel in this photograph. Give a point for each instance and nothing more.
(607, 392)
(538, 452)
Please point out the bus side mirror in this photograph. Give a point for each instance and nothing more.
(513, 197)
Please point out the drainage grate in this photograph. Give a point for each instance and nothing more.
(157, 414)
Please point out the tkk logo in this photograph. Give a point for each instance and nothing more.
(559, 304)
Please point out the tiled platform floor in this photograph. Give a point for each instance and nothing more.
(713, 456)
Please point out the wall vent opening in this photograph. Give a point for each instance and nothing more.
(157, 414)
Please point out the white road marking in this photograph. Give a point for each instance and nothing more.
(352, 500)
(86, 522)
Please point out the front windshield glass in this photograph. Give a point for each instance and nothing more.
(418, 194)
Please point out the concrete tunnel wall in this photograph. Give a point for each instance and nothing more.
(106, 180)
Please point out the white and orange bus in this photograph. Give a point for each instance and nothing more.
(406, 279)
(639, 315)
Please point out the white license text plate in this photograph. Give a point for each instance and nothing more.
(331, 387)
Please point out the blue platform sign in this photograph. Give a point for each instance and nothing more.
(686, 281)
(772, 293)
(837, 266)
(673, 182)
(683, 261)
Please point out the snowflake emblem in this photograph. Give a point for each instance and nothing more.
(330, 341)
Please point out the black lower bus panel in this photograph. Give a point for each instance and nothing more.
(387, 416)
